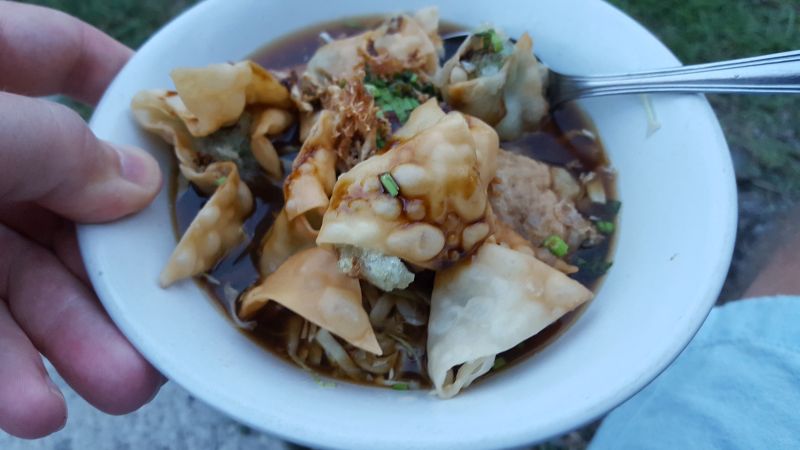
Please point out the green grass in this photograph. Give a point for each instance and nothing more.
(762, 130)
(129, 21)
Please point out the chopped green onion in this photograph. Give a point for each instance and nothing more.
(605, 226)
(371, 88)
(499, 363)
(556, 245)
(492, 40)
(353, 24)
(400, 386)
(389, 184)
(399, 94)
(380, 141)
(220, 181)
(323, 383)
(593, 268)
(497, 43)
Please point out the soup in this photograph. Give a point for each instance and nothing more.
(573, 234)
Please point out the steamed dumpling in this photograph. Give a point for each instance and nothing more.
(488, 304)
(439, 214)
(500, 83)
(310, 284)
(215, 230)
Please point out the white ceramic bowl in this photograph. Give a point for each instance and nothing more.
(677, 229)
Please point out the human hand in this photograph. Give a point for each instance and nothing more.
(54, 172)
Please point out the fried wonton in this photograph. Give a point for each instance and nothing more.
(155, 111)
(215, 230)
(215, 96)
(501, 83)
(267, 123)
(309, 186)
(487, 304)
(205, 120)
(439, 212)
(310, 284)
(285, 238)
(401, 43)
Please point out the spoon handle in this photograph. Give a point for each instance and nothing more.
(767, 74)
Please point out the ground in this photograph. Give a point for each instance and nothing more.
(763, 133)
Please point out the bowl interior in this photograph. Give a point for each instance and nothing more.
(677, 226)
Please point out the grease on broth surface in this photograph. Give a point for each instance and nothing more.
(562, 141)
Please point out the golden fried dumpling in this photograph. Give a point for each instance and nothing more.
(310, 284)
(215, 230)
(402, 42)
(438, 213)
(309, 186)
(486, 305)
(215, 96)
(268, 123)
(496, 82)
(155, 111)
(218, 95)
(285, 238)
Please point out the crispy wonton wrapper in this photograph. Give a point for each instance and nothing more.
(402, 42)
(486, 305)
(443, 169)
(218, 95)
(215, 96)
(284, 238)
(215, 230)
(269, 122)
(309, 186)
(310, 284)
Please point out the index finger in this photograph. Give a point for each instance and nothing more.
(46, 52)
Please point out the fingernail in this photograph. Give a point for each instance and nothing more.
(53, 387)
(137, 166)
(57, 392)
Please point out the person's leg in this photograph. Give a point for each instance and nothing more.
(781, 274)
(737, 385)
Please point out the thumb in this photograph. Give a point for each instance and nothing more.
(49, 156)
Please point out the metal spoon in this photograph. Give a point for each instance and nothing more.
(767, 74)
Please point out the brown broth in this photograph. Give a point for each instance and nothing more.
(556, 143)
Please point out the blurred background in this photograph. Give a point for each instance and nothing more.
(763, 133)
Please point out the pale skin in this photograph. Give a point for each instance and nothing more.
(54, 173)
